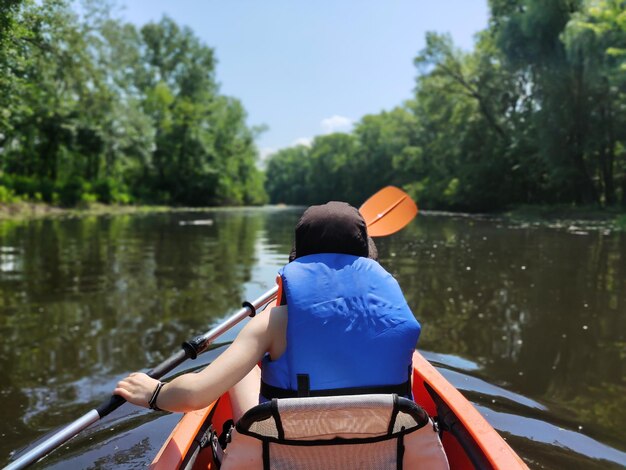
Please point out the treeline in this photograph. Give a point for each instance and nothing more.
(92, 108)
(535, 114)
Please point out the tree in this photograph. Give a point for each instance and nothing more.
(384, 141)
(529, 34)
(595, 41)
(287, 172)
(94, 108)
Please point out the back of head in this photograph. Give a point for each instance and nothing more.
(335, 227)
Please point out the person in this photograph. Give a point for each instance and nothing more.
(342, 326)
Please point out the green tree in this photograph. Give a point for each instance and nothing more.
(92, 107)
(287, 172)
(9, 28)
(465, 111)
(385, 141)
(205, 153)
(529, 34)
(330, 172)
(595, 41)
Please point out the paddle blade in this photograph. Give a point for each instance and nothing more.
(388, 211)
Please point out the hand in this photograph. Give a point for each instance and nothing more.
(137, 388)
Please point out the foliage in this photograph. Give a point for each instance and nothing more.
(6, 195)
(535, 114)
(287, 172)
(92, 107)
(109, 191)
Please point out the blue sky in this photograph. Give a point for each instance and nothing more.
(305, 68)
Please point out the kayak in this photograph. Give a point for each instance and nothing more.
(469, 441)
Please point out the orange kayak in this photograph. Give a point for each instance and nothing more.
(468, 439)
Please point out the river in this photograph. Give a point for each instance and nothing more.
(529, 322)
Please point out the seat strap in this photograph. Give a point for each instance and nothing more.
(266, 454)
(304, 386)
(400, 451)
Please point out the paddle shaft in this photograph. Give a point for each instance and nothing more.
(386, 211)
(190, 350)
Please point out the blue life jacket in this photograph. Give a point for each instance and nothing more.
(349, 331)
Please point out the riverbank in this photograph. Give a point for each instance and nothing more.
(570, 218)
(32, 210)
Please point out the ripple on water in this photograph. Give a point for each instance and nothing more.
(512, 413)
(543, 432)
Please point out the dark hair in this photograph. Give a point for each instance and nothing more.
(335, 227)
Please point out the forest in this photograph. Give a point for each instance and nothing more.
(93, 109)
(534, 115)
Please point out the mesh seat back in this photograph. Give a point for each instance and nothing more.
(356, 431)
(327, 417)
(371, 456)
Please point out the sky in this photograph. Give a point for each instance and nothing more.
(305, 68)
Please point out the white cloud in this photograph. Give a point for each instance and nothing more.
(264, 155)
(306, 141)
(329, 125)
(265, 152)
(336, 124)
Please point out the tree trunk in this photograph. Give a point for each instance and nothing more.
(623, 180)
(609, 186)
(588, 192)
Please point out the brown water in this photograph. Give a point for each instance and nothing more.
(528, 322)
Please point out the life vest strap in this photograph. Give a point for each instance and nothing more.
(403, 390)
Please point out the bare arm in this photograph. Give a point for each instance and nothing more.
(194, 391)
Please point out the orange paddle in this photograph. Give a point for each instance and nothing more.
(388, 211)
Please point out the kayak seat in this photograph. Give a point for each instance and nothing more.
(343, 432)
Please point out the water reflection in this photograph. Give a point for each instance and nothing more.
(582, 451)
(527, 321)
(540, 310)
(88, 299)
